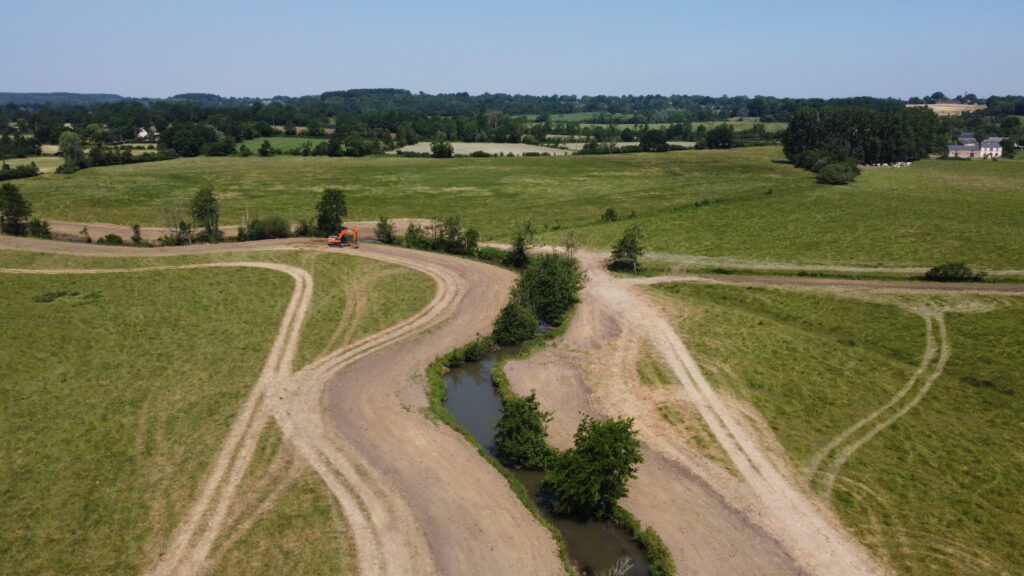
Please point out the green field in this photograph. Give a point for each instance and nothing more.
(109, 425)
(283, 143)
(940, 491)
(745, 203)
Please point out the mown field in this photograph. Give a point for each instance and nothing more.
(941, 491)
(746, 203)
(118, 392)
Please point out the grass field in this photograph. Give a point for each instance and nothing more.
(941, 491)
(109, 426)
(46, 164)
(282, 143)
(744, 203)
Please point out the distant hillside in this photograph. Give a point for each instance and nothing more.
(55, 98)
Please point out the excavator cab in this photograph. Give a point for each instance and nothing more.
(345, 237)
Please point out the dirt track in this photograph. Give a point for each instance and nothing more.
(417, 496)
(420, 500)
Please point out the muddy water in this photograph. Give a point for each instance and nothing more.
(594, 546)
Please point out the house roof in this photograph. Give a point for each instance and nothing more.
(953, 147)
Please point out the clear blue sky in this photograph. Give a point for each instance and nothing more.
(822, 48)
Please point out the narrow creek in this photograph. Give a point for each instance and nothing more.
(594, 546)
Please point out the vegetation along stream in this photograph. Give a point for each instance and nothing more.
(595, 546)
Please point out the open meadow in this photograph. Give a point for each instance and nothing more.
(120, 388)
(745, 203)
(283, 143)
(903, 411)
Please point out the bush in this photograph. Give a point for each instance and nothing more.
(306, 227)
(479, 154)
(837, 173)
(491, 254)
(268, 228)
(589, 478)
(521, 434)
(136, 234)
(111, 240)
(385, 231)
(39, 228)
(953, 272)
(610, 215)
(628, 250)
(415, 237)
(516, 323)
(550, 286)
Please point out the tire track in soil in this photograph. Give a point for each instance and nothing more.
(408, 512)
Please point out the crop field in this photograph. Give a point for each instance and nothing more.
(940, 489)
(46, 164)
(745, 203)
(102, 371)
(282, 143)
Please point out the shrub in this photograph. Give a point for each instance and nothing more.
(415, 237)
(306, 227)
(136, 234)
(521, 434)
(610, 215)
(491, 254)
(268, 228)
(589, 478)
(953, 272)
(39, 228)
(385, 231)
(516, 323)
(111, 240)
(550, 286)
(628, 250)
(838, 173)
(479, 154)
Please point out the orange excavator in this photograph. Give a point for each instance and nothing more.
(345, 237)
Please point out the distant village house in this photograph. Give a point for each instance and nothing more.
(970, 148)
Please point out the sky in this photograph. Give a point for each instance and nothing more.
(138, 48)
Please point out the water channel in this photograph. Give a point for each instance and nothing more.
(594, 546)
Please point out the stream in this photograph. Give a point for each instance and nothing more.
(595, 545)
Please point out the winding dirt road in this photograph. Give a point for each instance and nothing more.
(418, 498)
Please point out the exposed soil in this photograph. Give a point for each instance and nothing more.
(419, 499)
(97, 230)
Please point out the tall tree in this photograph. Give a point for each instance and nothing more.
(331, 210)
(14, 209)
(70, 146)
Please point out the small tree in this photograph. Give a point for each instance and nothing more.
(629, 249)
(441, 148)
(516, 323)
(14, 209)
(521, 433)
(415, 237)
(136, 234)
(550, 285)
(266, 149)
(206, 212)
(1009, 150)
(385, 231)
(331, 210)
(589, 478)
(39, 228)
(569, 242)
(518, 256)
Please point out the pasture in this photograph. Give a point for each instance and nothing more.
(110, 427)
(745, 203)
(939, 491)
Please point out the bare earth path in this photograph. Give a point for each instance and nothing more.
(417, 496)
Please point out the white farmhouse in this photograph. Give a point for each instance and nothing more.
(970, 148)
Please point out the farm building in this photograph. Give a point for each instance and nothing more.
(970, 148)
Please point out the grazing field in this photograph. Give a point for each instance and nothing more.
(745, 203)
(282, 143)
(110, 426)
(939, 491)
